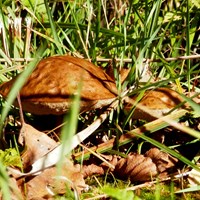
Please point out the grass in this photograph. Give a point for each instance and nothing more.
(136, 30)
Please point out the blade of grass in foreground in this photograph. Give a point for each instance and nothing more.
(168, 150)
(69, 129)
(4, 180)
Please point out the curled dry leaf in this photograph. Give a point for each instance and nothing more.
(89, 170)
(162, 160)
(112, 159)
(136, 167)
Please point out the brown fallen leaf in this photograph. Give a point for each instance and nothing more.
(37, 144)
(49, 183)
(162, 160)
(136, 167)
(112, 159)
(89, 170)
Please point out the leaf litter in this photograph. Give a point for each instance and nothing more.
(48, 182)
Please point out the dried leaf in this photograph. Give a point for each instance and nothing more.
(50, 182)
(136, 167)
(89, 170)
(162, 160)
(144, 171)
(37, 144)
(112, 159)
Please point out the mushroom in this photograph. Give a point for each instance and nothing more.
(55, 79)
(155, 104)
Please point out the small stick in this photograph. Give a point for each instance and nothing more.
(129, 60)
(20, 108)
(126, 60)
(20, 138)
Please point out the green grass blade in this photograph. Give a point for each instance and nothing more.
(53, 27)
(4, 183)
(167, 150)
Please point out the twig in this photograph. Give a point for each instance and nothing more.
(17, 59)
(98, 156)
(126, 60)
(20, 108)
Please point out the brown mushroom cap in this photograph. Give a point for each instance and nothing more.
(55, 79)
(158, 102)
